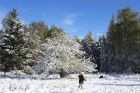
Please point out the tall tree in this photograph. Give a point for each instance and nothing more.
(41, 29)
(14, 41)
(91, 49)
(122, 41)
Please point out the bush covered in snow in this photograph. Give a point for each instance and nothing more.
(29, 70)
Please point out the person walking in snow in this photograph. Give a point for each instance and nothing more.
(81, 79)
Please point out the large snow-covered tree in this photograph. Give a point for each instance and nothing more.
(63, 54)
(14, 42)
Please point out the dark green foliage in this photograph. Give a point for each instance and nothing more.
(13, 43)
(92, 49)
(123, 34)
(122, 41)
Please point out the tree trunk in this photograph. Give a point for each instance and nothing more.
(62, 73)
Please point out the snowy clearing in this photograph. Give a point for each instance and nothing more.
(93, 84)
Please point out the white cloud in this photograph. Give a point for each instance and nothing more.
(70, 19)
(69, 22)
(99, 34)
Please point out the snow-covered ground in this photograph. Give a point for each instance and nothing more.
(93, 84)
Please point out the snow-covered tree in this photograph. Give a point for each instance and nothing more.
(63, 54)
(91, 48)
(14, 42)
(34, 43)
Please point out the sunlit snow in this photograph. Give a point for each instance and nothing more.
(53, 84)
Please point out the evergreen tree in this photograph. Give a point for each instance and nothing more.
(111, 34)
(104, 56)
(89, 38)
(1, 49)
(87, 43)
(122, 41)
(91, 49)
(14, 43)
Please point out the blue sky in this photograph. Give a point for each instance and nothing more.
(77, 17)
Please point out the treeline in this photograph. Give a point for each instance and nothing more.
(121, 46)
(36, 48)
(20, 43)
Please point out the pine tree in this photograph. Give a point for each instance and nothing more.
(89, 38)
(1, 49)
(111, 35)
(14, 41)
(122, 42)
(91, 49)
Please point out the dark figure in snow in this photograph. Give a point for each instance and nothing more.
(101, 77)
(81, 80)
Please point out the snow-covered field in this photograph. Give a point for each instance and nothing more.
(93, 84)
